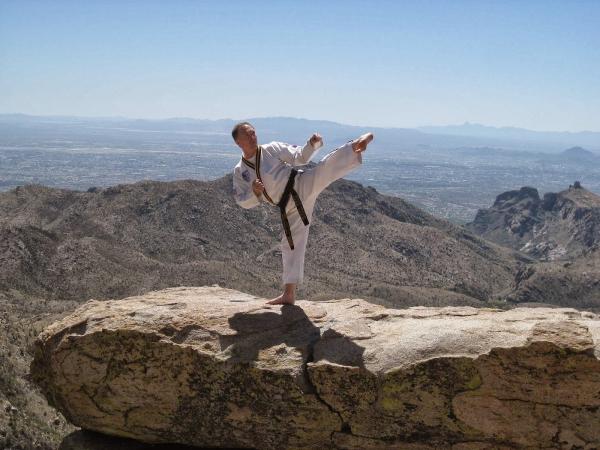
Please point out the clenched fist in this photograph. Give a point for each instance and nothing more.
(257, 187)
(316, 140)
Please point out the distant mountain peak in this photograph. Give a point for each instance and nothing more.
(579, 152)
(562, 225)
(580, 196)
(507, 134)
(576, 149)
(526, 192)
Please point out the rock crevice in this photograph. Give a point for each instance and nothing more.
(215, 367)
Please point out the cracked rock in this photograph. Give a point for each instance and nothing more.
(219, 368)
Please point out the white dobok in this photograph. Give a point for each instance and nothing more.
(277, 159)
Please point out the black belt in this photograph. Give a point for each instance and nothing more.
(256, 167)
(285, 198)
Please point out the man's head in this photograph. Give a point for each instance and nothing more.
(245, 137)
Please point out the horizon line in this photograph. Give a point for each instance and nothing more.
(418, 128)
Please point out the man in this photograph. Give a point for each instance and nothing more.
(267, 173)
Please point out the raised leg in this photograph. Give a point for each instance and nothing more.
(333, 166)
(309, 184)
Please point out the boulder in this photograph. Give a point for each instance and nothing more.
(214, 367)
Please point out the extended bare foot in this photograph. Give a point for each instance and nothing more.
(360, 144)
(283, 299)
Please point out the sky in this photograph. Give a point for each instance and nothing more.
(530, 64)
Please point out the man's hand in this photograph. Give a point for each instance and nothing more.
(257, 187)
(316, 140)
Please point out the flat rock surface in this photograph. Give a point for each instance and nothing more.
(208, 366)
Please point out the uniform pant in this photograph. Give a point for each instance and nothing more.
(309, 184)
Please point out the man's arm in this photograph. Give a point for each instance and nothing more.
(242, 191)
(295, 155)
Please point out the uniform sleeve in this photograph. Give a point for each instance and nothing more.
(242, 191)
(294, 154)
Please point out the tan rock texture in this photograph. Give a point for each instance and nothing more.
(214, 367)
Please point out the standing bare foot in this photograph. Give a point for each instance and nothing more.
(360, 144)
(283, 299)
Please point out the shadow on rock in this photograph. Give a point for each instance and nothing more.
(257, 331)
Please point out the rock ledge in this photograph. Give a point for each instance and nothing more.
(216, 367)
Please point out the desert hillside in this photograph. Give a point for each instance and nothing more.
(59, 248)
(561, 231)
(129, 239)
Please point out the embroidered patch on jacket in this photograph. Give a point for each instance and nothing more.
(246, 175)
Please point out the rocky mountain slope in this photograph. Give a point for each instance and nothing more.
(559, 226)
(561, 231)
(573, 283)
(129, 239)
(59, 248)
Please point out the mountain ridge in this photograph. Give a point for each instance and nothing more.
(60, 247)
(561, 231)
(190, 228)
(521, 219)
(295, 128)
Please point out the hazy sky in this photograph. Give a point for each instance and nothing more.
(532, 64)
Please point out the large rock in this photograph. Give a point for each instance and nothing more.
(215, 367)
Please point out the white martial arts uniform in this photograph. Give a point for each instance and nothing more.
(277, 160)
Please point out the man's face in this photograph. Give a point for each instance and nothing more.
(246, 137)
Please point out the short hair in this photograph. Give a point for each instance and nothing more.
(236, 129)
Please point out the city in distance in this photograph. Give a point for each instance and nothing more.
(449, 171)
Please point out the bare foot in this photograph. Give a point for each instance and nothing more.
(360, 144)
(283, 299)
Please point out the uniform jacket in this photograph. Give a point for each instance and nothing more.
(276, 164)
